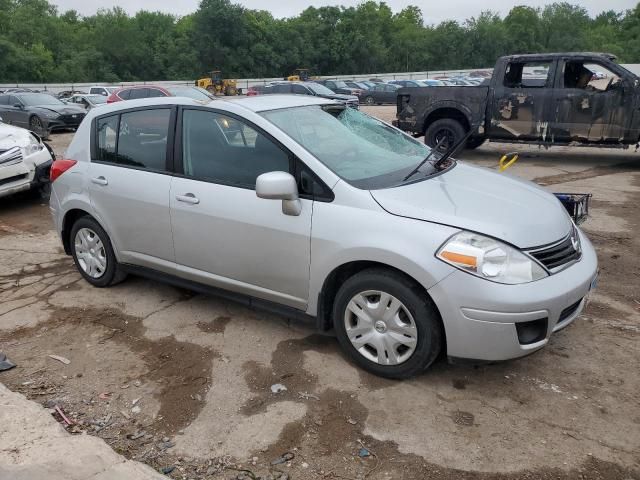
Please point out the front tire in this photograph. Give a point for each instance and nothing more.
(369, 100)
(449, 129)
(36, 126)
(387, 324)
(93, 254)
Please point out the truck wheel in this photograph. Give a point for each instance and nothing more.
(473, 143)
(448, 128)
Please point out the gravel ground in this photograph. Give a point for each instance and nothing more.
(182, 381)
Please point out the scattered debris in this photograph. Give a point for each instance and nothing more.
(135, 401)
(136, 409)
(137, 435)
(105, 396)
(278, 387)
(64, 360)
(286, 457)
(63, 416)
(137, 383)
(167, 470)
(308, 396)
(363, 453)
(351, 421)
(5, 363)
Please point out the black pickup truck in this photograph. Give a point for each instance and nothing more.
(548, 99)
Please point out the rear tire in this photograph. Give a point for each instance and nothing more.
(452, 129)
(399, 334)
(369, 100)
(93, 254)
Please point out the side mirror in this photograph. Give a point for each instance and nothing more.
(18, 105)
(280, 186)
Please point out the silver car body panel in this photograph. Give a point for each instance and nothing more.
(474, 198)
(234, 240)
(234, 235)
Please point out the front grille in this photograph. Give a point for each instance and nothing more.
(69, 118)
(567, 312)
(559, 254)
(10, 157)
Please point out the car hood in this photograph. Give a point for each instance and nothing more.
(61, 109)
(478, 199)
(13, 137)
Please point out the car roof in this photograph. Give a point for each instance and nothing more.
(254, 104)
(275, 102)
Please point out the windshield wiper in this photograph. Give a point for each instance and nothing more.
(455, 147)
(446, 154)
(426, 159)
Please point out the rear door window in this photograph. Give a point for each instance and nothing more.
(125, 94)
(4, 99)
(527, 74)
(139, 93)
(154, 92)
(282, 88)
(134, 139)
(300, 90)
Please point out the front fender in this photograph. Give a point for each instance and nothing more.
(343, 234)
(448, 105)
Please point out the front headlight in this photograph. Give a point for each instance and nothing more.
(51, 114)
(34, 146)
(491, 259)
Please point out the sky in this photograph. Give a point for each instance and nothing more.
(433, 11)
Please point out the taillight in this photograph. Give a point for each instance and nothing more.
(59, 167)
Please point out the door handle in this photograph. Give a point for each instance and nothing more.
(100, 181)
(188, 198)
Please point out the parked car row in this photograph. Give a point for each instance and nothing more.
(369, 92)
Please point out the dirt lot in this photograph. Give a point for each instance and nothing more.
(183, 382)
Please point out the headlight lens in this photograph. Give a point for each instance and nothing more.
(34, 146)
(488, 258)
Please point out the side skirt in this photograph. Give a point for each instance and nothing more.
(247, 300)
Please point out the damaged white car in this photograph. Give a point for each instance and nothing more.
(25, 160)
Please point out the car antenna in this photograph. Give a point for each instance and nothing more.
(419, 166)
(455, 147)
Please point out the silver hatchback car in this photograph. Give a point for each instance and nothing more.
(305, 207)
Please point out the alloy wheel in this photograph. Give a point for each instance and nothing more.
(90, 253)
(380, 327)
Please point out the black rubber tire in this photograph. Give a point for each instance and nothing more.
(474, 143)
(452, 128)
(422, 308)
(369, 100)
(36, 126)
(113, 274)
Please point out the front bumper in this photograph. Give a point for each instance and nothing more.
(32, 171)
(480, 316)
(65, 122)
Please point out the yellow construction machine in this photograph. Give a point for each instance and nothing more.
(215, 83)
(300, 75)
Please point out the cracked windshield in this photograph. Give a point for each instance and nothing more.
(364, 151)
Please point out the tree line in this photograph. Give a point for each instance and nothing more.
(38, 43)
